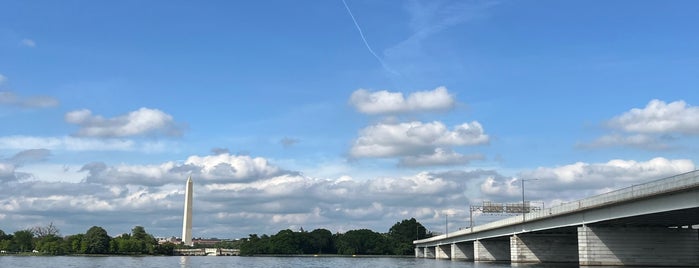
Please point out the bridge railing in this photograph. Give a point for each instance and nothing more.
(679, 182)
(675, 183)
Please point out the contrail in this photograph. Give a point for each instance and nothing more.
(383, 64)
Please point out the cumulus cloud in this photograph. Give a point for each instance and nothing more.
(584, 179)
(143, 121)
(230, 190)
(659, 117)
(7, 172)
(419, 143)
(2, 79)
(232, 167)
(238, 195)
(650, 127)
(385, 102)
(439, 157)
(11, 99)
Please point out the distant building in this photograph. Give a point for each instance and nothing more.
(172, 239)
(206, 242)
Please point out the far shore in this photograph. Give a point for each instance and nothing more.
(30, 254)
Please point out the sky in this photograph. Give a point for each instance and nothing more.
(335, 114)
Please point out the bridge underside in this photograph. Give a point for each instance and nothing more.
(674, 218)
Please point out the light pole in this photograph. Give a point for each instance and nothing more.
(523, 210)
(446, 223)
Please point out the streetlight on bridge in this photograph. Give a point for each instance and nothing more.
(523, 207)
(446, 223)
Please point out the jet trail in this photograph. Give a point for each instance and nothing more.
(383, 64)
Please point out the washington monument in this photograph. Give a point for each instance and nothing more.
(187, 219)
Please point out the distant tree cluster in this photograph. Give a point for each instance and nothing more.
(398, 241)
(47, 240)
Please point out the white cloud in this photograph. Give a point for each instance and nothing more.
(255, 196)
(579, 180)
(416, 139)
(582, 174)
(70, 144)
(651, 128)
(2, 79)
(264, 197)
(659, 117)
(641, 141)
(385, 102)
(28, 42)
(7, 172)
(439, 157)
(235, 167)
(10, 98)
(143, 121)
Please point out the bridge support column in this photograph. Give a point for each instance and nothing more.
(496, 249)
(638, 246)
(419, 252)
(547, 248)
(462, 251)
(430, 252)
(443, 252)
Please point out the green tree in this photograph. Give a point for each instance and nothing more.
(5, 241)
(255, 244)
(96, 241)
(322, 241)
(51, 244)
(164, 249)
(362, 241)
(23, 240)
(286, 242)
(139, 233)
(403, 234)
(74, 244)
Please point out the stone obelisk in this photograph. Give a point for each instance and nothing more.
(187, 220)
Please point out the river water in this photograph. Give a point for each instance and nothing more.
(247, 262)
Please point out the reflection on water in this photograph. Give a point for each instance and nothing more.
(184, 261)
(254, 262)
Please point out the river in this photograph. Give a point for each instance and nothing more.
(246, 262)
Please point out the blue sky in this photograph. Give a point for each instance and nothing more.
(286, 118)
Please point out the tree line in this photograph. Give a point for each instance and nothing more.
(47, 240)
(398, 241)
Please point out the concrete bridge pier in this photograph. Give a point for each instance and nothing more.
(419, 252)
(462, 251)
(443, 251)
(547, 248)
(656, 246)
(492, 249)
(430, 252)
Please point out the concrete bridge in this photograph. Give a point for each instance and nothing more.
(645, 225)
